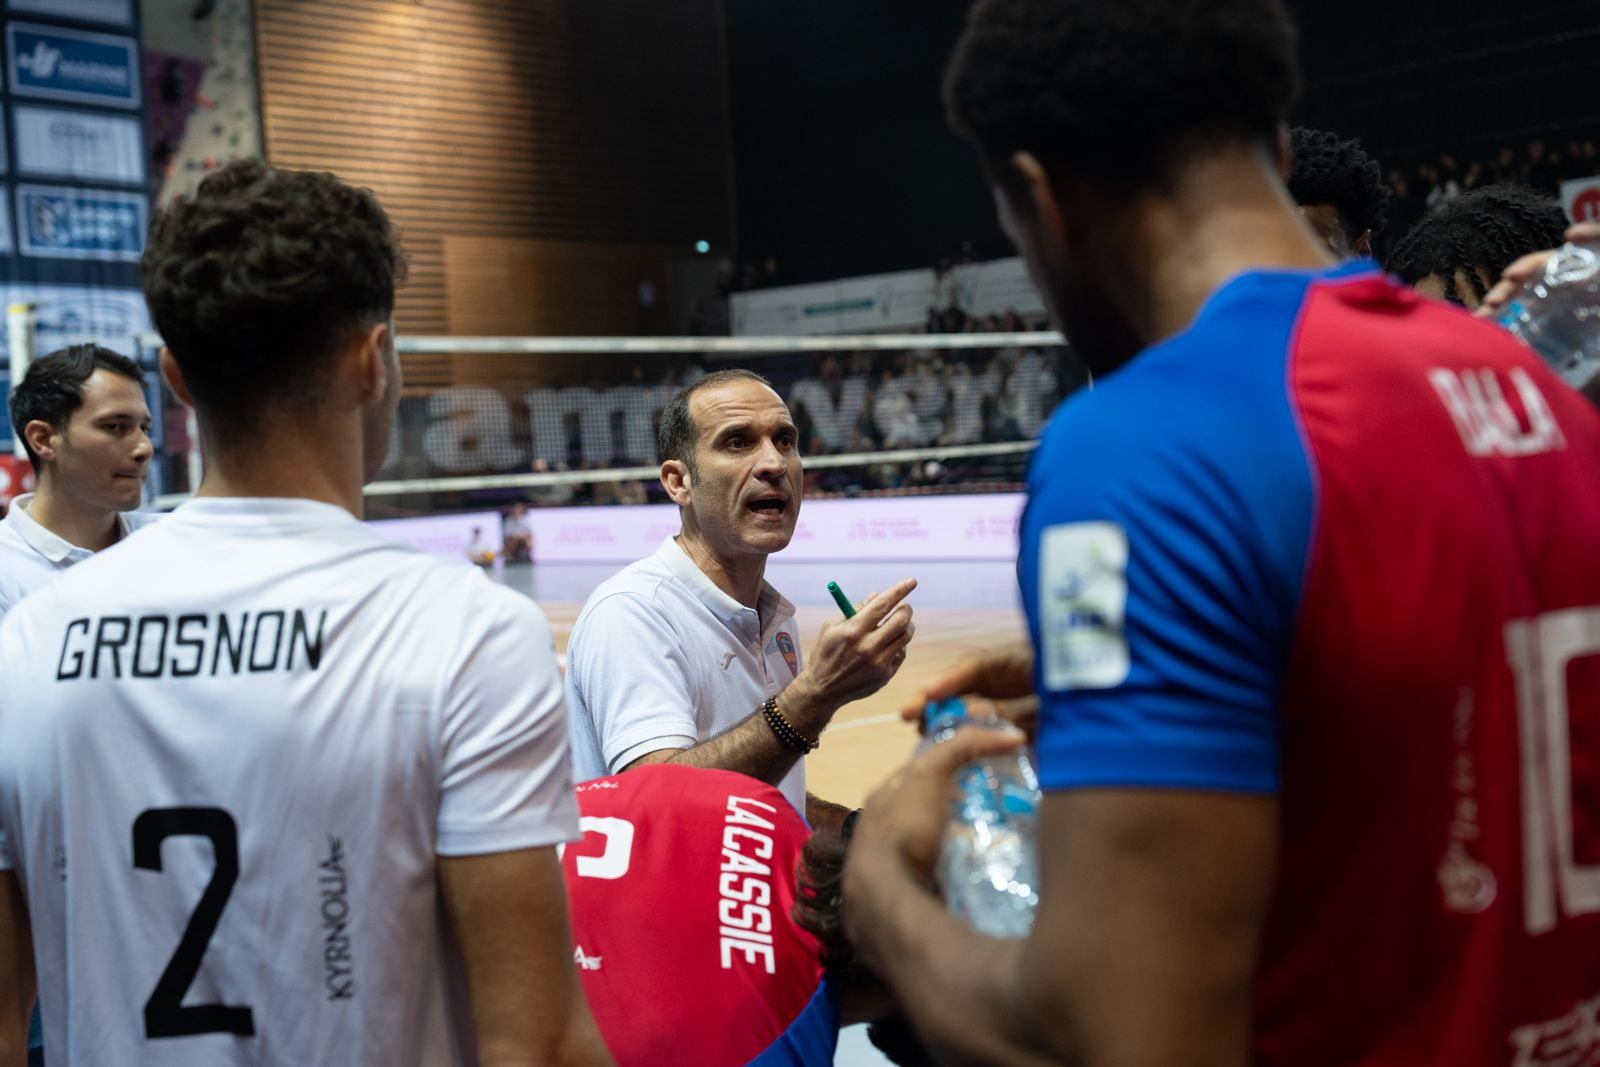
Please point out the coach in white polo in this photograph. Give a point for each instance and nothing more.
(689, 656)
(81, 415)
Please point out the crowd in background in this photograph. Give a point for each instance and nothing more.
(1416, 188)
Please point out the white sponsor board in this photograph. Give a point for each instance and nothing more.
(68, 222)
(443, 535)
(109, 12)
(880, 303)
(79, 314)
(57, 143)
(1580, 197)
(967, 527)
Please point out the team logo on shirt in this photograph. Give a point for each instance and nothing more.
(1083, 596)
(786, 646)
(585, 963)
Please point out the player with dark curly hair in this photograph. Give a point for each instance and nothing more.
(309, 782)
(1298, 575)
(1457, 251)
(1339, 188)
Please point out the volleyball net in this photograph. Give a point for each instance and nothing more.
(485, 422)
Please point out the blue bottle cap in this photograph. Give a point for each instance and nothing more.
(948, 711)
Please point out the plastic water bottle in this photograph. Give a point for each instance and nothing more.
(989, 862)
(1558, 314)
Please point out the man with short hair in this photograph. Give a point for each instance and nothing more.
(272, 788)
(82, 417)
(690, 656)
(1313, 599)
(1339, 188)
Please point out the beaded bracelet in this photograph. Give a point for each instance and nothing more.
(785, 731)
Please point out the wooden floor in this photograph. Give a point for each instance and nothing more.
(867, 740)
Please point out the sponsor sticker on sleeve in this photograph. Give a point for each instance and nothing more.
(1083, 598)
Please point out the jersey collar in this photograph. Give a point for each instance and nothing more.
(771, 606)
(51, 546)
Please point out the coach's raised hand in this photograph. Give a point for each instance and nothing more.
(853, 658)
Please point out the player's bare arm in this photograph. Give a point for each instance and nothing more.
(17, 981)
(1145, 941)
(509, 915)
(853, 658)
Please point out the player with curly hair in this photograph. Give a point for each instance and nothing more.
(1339, 188)
(1457, 251)
(308, 783)
(1309, 578)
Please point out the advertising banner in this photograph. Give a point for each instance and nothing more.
(964, 527)
(16, 475)
(1581, 199)
(79, 145)
(58, 222)
(108, 12)
(76, 65)
(883, 303)
(449, 536)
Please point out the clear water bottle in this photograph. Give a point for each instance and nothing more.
(1558, 313)
(989, 862)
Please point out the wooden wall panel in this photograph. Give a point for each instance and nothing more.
(517, 287)
(558, 122)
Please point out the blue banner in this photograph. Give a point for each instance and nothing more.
(75, 65)
(57, 222)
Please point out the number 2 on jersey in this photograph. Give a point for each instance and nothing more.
(164, 1013)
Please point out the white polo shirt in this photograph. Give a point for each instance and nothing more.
(265, 706)
(662, 658)
(31, 556)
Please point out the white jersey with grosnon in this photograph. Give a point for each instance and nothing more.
(231, 751)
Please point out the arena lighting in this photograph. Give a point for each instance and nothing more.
(702, 247)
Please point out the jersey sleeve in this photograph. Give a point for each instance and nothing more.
(628, 674)
(1160, 572)
(506, 777)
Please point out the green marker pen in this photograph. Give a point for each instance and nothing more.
(840, 599)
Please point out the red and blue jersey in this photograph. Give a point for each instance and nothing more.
(680, 894)
(1340, 544)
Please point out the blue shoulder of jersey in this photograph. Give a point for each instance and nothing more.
(1170, 514)
(811, 1039)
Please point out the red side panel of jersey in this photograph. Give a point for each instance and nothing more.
(681, 893)
(1438, 897)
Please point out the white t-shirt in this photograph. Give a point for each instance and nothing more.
(230, 753)
(31, 556)
(662, 658)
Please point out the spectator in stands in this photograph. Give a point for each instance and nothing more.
(1339, 189)
(1457, 251)
(550, 496)
(1504, 168)
(865, 435)
(944, 286)
(1539, 171)
(805, 428)
(897, 418)
(998, 422)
